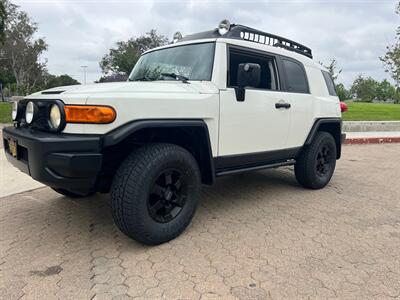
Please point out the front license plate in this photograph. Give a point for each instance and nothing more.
(13, 146)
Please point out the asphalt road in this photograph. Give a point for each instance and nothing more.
(255, 236)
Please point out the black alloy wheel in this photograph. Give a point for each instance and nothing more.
(167, 196)
(324, 160)
(316, 163)
(155, 193)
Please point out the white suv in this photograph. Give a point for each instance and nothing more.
(226, 101)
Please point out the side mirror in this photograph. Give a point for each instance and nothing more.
(248, 75)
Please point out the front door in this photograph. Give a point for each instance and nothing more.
(261, 122)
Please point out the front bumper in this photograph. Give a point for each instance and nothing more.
(67, 161)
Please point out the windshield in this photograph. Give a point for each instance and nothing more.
(187, 62)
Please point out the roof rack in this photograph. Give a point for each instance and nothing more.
(237, 31)
(254, 35)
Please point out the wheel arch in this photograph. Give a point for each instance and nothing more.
(331, 125)
(193, 135)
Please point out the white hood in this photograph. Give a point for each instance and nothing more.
(202, 87)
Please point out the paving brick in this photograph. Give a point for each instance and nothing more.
(254, 236)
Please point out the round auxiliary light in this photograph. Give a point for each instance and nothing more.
(55, 116)
(29, 112)
(223, 27)
(14, 111)
(177, 37)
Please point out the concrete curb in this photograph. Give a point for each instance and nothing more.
(371, 140)
(366, 126)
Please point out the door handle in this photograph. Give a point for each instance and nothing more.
(282, 105)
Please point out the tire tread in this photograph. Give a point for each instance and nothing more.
(304, 171)
(124, 188)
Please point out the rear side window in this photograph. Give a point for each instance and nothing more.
(296, 78)
(329, 83)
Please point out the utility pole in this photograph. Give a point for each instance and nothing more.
(84, 73)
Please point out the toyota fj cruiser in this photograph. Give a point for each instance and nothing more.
(220, 102)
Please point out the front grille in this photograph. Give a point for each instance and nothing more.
(22, 153)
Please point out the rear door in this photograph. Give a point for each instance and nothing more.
(301, 101)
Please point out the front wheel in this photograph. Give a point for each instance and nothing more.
(316, 164)
(155, 193)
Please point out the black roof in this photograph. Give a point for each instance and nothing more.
(253, 35)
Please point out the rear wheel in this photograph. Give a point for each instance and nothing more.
(155, 193)
(316, 164)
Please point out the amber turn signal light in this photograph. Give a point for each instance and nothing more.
(95, 114)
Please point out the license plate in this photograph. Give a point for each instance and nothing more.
(13, 146)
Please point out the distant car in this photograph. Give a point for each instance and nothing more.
(220, 102)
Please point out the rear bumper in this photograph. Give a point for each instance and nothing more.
(67, 161)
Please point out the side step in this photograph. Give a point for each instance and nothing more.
(255, 168)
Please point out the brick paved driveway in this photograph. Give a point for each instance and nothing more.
(255, 236)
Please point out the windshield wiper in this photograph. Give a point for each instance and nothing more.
(144, 78)
(176, 77)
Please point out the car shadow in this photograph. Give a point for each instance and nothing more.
(230, 195)
(234, 187)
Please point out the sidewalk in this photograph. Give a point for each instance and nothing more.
(365, 126)
(13, 181)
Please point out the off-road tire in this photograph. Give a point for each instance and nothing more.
(132, 186)
(70, 194)
(306, 167)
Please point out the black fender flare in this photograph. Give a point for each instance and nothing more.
(335, 123)
(125, 131)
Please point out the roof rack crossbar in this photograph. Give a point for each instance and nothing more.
(253, 35)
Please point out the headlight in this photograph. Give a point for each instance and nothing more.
(55, 116)
(30, 112)
(14, 112)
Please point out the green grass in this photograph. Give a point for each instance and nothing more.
(5, 112)
(359, 111)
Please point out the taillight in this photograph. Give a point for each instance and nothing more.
(343, 107)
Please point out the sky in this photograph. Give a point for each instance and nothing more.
(80, 32)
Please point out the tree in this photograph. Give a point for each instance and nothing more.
(3, 17)
(333, 69)
(342, 92)
(22, 71)
(5, 76)
(385, 91)
(20, 52)
(364, 89)
(391, 59)
(391, 62)
(62, 80)
(113, 78)
(120, 60)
